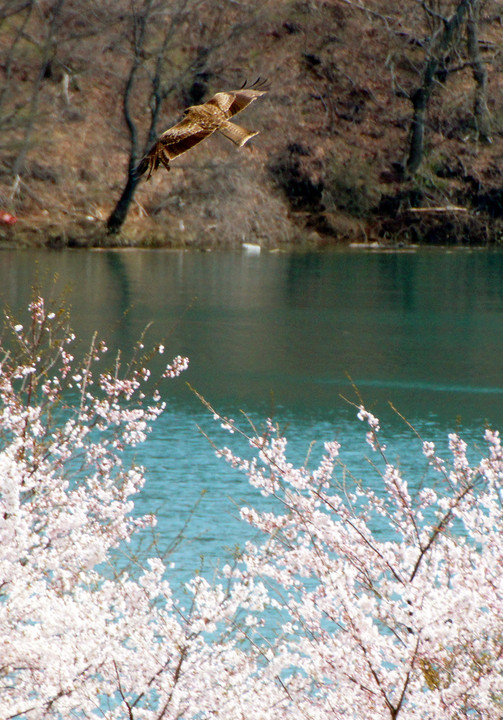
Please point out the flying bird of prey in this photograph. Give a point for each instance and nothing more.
(201, 121)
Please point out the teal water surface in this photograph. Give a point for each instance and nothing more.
(282, 334)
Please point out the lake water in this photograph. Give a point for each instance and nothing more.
(280, 334)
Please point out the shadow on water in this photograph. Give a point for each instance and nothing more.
(120, 278)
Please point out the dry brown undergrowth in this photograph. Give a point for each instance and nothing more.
(332, 131)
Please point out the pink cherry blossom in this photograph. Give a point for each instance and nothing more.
(378, 599)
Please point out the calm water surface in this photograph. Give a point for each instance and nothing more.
(280, 333)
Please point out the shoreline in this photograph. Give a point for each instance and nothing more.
(474, 231)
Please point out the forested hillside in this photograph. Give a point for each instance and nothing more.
(383, 122)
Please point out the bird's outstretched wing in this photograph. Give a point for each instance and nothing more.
(233, 101)
(173, 142)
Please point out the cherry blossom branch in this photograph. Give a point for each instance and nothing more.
(121, 693)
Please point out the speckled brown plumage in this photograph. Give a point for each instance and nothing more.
(201, 121)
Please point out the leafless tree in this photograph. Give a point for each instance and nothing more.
(19, 17)
(479, 70)
(152, 64)
(53, 20)
(446, 33)
(164, 62)
(34, 37)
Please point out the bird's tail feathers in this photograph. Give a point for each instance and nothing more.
(151, 162)
(236, 133)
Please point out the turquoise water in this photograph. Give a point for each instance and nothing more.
(282, 334)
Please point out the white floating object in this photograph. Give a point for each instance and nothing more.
(251, 248)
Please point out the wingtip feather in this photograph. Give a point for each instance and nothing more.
(259, 84)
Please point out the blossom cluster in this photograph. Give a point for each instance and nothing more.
(366, 600)
(390, 593)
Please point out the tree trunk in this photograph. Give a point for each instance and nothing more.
(120, 211)
(480, 111)
(420, 97)
(416, 133)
